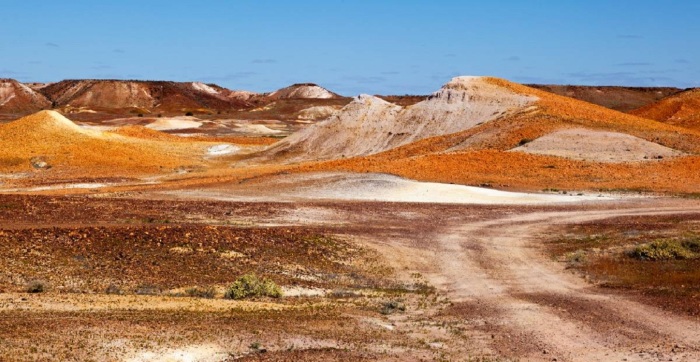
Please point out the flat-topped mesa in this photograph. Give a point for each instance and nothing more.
(371, 125)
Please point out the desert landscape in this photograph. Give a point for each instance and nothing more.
(487, 221)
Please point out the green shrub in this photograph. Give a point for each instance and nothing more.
(250, 286)
(668, 250)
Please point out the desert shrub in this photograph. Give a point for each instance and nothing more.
(392, 307)
(250, 286)
(147, 289)
(668, 250)
(36, 286)
(113, 289)
(575, 258)
(197, 292)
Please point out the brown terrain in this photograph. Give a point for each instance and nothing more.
(623, 99)
(127, 225)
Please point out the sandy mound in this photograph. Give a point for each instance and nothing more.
(174, 123)
(371, 187)
(256, 129)
(16, 97)
(682, 109)
(370, 125)
(597, 146)
(303, 91)
(146, 133)
(72, 150)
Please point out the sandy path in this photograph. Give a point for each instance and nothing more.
(524, 305)
(494, 263)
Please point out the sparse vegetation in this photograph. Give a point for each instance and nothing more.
(668, 250)
(36, 286)
(392, 307)
(198, 292)
(147, 289)
(250, 286)
(113, 289)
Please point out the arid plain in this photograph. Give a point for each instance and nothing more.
(488, 221)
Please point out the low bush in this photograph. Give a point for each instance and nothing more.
(36, 286)
(668, 250)
(197, 292)
(250, 286)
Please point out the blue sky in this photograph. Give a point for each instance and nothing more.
(352, 47)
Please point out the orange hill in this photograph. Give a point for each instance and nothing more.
(72, 150)
(682, 109)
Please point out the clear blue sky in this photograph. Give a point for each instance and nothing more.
(351, 47)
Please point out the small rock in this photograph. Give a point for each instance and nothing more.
(39, 163)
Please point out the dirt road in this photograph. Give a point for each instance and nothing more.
(513, 300)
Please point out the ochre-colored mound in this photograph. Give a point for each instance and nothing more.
(522, 171)
(72, 150)
(682, 109)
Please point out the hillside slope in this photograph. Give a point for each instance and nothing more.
(70, 150)
(681, 109)
(469, 113)
(623, 99)
(17, 98)
(148, 96)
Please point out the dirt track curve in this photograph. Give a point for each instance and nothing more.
(516, 302)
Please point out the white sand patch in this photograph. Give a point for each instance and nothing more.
(224, 149)
(256, 129)
(94, 185)
(204, 88)
(296, 291)
(97, 127)
(597, 146)
(175, 123)
(198, 353)
(380, 187)
(372, 187)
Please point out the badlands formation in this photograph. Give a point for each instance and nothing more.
(182, 221)
(473, 131)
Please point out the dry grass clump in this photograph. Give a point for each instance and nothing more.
(668, 250)
(250, 286)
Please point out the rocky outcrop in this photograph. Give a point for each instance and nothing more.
(17, 98)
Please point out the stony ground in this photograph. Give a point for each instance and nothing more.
(365, 281)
